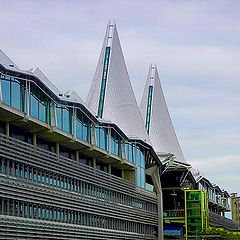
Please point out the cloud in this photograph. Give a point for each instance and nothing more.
(220, 170)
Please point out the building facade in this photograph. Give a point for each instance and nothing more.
(103, 169)
(65, 173)
(235, 206)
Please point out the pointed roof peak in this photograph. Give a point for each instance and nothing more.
(157, 119)
(111, 94)
(111, 22)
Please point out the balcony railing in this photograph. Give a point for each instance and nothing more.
(178, 213)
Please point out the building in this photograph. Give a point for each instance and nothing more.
(190, 201)
(94, 170)
(67, 174)
(235, 206)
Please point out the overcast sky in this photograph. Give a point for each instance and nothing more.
(195, 44)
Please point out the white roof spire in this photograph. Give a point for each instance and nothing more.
(111, 95)
(157, 119)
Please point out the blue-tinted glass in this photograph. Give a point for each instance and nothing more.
(15, 95)
(79, 129)
(112, 146)
(142, 177)
(102, 138)
(138, 182)
(59, 117)
(138, 157)
(142, 163)
(33, 106)
(42, 112)
(129, 153)
(5, 85)
(85, 132)
(66, 118)
(97, 136)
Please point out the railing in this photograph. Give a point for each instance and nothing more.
(178, 213)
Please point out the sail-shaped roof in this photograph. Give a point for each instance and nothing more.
(111, 95)
(157, 118)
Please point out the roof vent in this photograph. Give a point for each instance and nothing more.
(67, 94)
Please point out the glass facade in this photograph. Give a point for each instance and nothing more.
(101, 137)
(40, 107)
(64, 118)
(39, 104)
(82, 126)
(140, 164)
(13, 92)
(129, 152)
(115, 144)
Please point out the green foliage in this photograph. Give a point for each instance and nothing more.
(220, 234)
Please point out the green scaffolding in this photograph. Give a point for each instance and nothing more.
(196, 213)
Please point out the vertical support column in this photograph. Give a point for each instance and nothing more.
(94, 163)
(123, 153)
(77, 156)
(74, 132)
(109, 169)
(123, 174)
(109, 140)
(35, 139)
(53, 116)
(1, 98)
(7, 129)
(28, 92)
(93, 135)
(154, 173)
(57, 148)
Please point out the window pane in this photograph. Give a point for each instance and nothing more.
(138, 178)
(142, 177)
(79, 129)
(33, 106)
(59, 117)
(15, 95)
(85, 132)
(66, 118)
(5, 85)
(42, 112)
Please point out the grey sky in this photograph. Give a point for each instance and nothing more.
(195, 44)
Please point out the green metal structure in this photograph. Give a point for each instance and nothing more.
(196, 213)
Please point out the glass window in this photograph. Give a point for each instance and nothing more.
(5, 85)
(101, 138)
(42, 111)
(64, 118)
(16, 94)
(39, 104)
(13, 92)
(140, 161)
(129, 152)
(59, 117)
(82, 126)
(33, 107)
